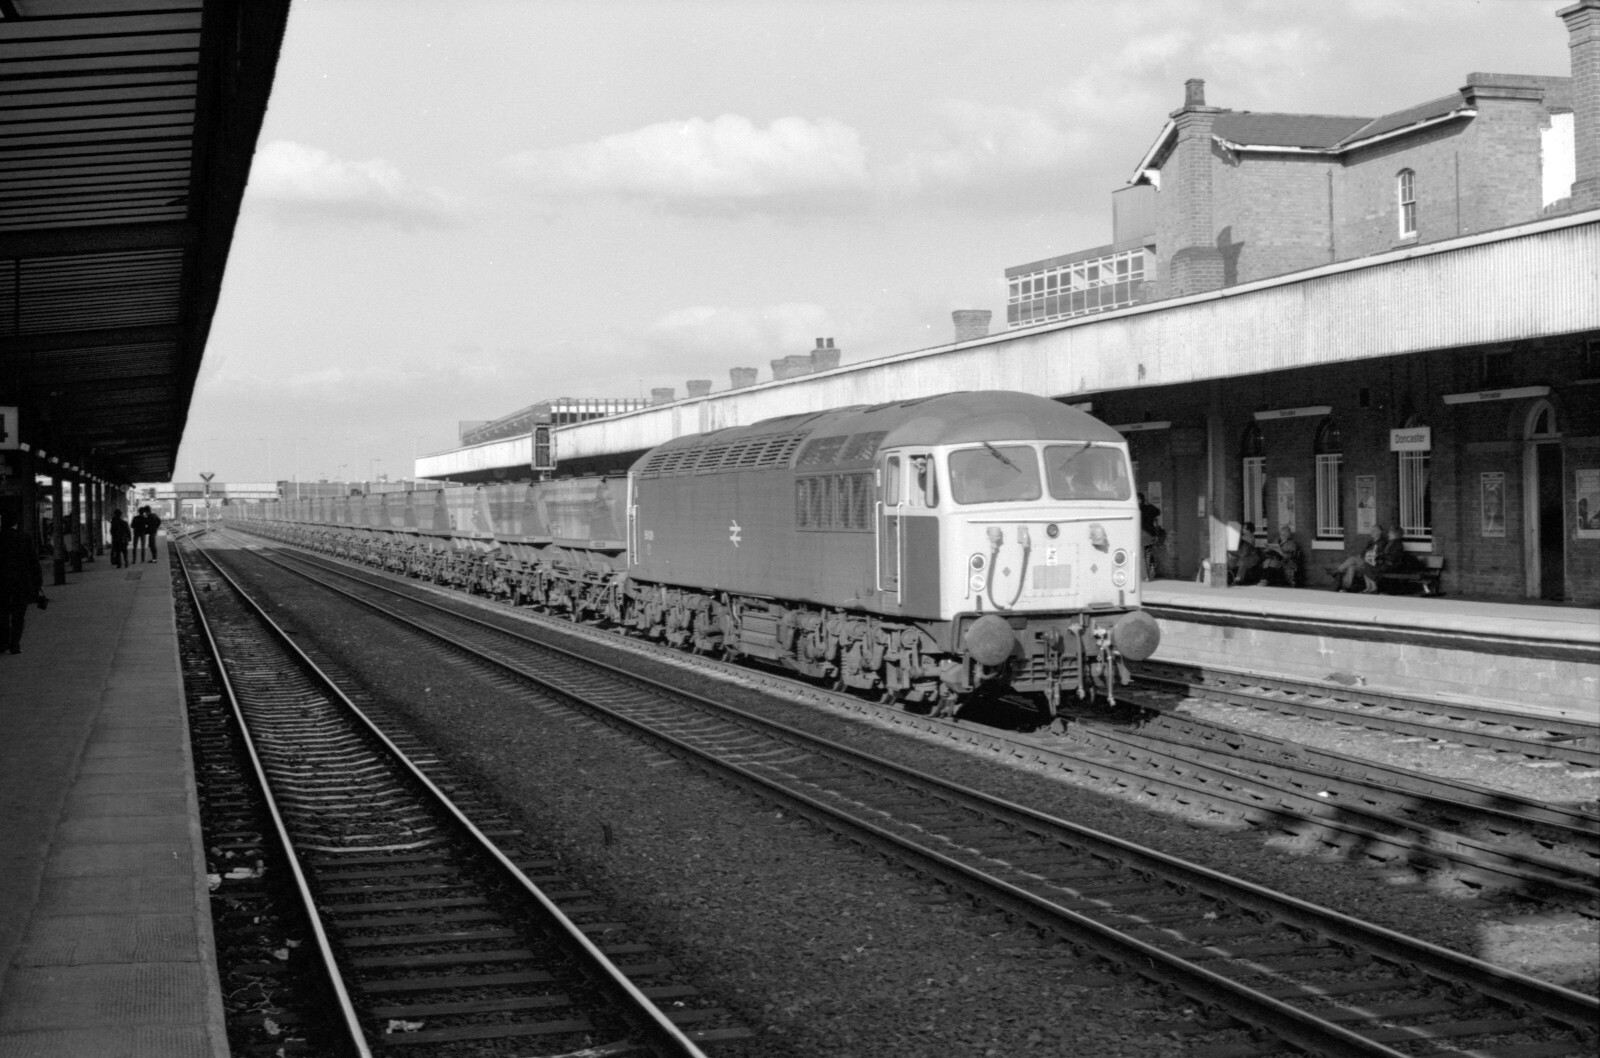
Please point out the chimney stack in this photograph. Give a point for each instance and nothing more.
(1583, 40)
(740, 377)
(791, 366)
(971, 323)
(661, 395)
(698, 387)
(824, 357)
(1186, 231)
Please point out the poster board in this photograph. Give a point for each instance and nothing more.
(1366, 503)
(1492, 502)
(1586, 505)
(1286, 504)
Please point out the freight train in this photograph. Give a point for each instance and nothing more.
(921, 551)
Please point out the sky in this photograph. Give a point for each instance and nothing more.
(459, 209)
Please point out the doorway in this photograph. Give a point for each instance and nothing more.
(1544, 513)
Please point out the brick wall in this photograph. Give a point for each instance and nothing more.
(1225, 218)
(1366, 197)
(1583, 30)
(1272, 215)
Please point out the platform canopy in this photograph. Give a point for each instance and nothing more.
(126, 133)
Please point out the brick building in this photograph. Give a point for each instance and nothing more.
(1487, 455)
(1243, 195)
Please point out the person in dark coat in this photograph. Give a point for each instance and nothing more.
(21, 581)
(120, 532)
(140, 521)
(152, 522)
(1392, 557)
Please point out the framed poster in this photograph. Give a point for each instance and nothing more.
(1286, 503)
(1493, 490)
(1366, 503)
(1588, 505)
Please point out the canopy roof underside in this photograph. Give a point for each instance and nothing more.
(126, 133)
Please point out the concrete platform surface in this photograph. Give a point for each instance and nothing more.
(1535, 659)
(1574, 625)
(105, 929)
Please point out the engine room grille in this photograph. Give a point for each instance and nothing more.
(757, 453)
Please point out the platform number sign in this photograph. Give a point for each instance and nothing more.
(10, 435)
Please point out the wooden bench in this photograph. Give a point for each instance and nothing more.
(1426, 576)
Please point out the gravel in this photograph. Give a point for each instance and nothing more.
(827, 950)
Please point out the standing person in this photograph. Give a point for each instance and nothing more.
(21, 580)
(139, 523)
(152, 522)
(120, 532)
(1151, 534)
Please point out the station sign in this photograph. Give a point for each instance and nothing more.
(1295, 413)
(1411, 439)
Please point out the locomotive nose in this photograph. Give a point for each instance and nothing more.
(990, 640)
(1136, 635)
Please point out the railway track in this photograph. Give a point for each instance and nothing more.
(434, 928)
(1390, 816)
(1404, 820)
(1536, 740)
(1279, 972)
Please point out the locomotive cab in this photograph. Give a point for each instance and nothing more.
(1024, 555)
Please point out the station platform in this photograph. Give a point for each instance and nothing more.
(1533, 658)
(105, 930)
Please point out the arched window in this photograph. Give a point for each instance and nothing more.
(1406, 197)
(1329, 449)
(1542, 422)
(1253, 490)
(1415, 501)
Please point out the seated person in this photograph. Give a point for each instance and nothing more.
(1363, 566)
(1284, 560)
(1392, 556)
(1244, 561)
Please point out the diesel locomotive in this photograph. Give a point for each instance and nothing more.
(922, 550)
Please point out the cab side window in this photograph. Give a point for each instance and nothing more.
(891, 482)
(923, 488)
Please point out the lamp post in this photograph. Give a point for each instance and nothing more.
(295, 470)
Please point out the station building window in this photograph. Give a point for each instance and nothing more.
(1253, 491)
(1406, 195)
(1076, 289)
(1416, 497)
(1329, 449)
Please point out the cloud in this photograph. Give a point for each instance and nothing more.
(300, 183)
(728, 160)
(973, 145)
